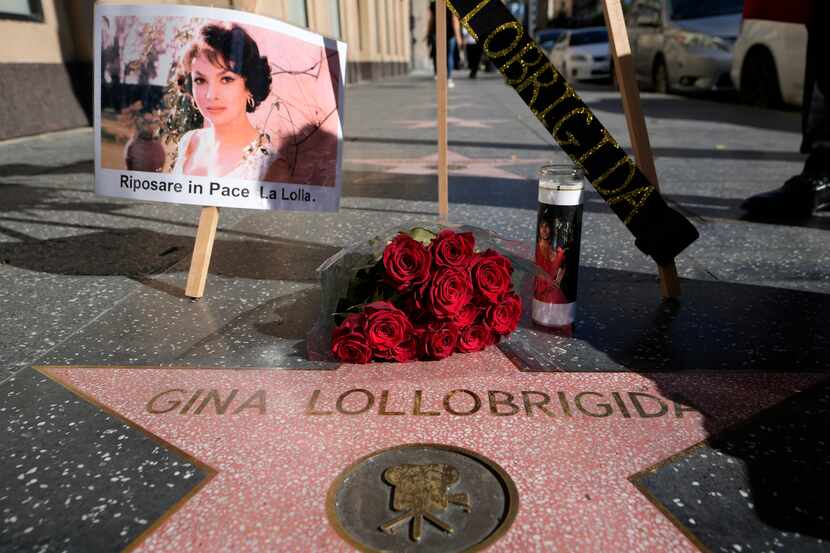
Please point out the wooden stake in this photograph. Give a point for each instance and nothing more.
(202, 250)
(441, 94)
(637, 131)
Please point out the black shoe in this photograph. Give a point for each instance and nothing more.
(800, 196)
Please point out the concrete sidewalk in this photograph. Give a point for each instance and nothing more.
(94, 281)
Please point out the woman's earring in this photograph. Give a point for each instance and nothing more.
(193, 103)
(251, 103)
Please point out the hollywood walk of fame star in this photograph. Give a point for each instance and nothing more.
(461, 122)
(458, 165)
(274, 465)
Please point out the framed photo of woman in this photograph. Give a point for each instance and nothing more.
(216, 107)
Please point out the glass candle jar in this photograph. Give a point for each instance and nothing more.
(558, 236)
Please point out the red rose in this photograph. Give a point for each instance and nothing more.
(451, 249)
(467, 316)
(351, 348)
(503, 317)
(438, 340)
(354, 322)
(414, 305)
(386, 327)
(491, 275)
(406, 350)
(475, 338)
(451, 289)
(407, 262)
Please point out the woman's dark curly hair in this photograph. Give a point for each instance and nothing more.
(234, 50)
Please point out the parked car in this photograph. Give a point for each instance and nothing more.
(684, 45)
(546, 38)
(582, 54)
(770, 53)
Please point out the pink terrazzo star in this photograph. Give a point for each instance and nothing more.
(276, 452)
(458, 165)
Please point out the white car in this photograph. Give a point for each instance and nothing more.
(770, 54)
(684, 45)
(582, 54)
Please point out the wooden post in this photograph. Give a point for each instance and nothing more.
(637, 131)
(442, 100)
(202, 250)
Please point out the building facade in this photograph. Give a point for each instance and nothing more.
(46, 51)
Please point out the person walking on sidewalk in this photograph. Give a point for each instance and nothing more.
(809, 191)
(473, 52)
(453, 41)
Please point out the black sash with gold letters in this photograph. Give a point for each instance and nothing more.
(659, 231)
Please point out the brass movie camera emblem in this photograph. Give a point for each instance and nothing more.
(420, 491)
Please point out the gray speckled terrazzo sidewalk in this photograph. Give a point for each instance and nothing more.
(96, 280)
(75, 478)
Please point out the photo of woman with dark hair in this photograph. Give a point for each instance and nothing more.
(550, 258)
(226, 78)
(212, 94)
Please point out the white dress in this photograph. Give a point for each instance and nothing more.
(254, 164)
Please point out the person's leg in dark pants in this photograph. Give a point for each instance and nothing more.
(803, 194)
(473, 58)
(816, 120)
(451, 51)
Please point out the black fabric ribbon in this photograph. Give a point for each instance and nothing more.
(659, 231)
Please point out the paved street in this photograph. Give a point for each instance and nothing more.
(736, 462)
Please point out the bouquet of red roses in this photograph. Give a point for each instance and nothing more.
(427, 297)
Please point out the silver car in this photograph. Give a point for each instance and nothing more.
(684, 45)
